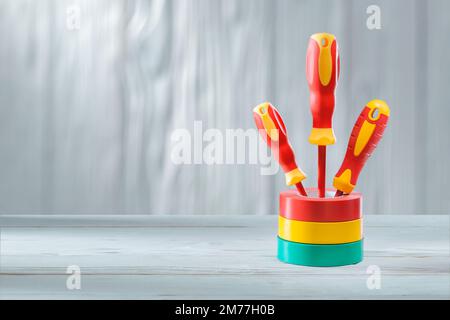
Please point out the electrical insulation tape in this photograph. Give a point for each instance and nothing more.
(296, 207)
(320, 255)
(319, 232)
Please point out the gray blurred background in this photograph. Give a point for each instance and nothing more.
(87, 113)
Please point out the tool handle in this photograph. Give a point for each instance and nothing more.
(273, 130)
(364, 138)
(322, 74)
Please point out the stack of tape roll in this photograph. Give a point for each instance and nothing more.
(320, 232)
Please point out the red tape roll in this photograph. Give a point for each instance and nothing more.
(296, 207)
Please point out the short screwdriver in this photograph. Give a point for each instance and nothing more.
(272, 129)
(366, 134)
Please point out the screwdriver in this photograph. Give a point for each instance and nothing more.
(322, 74)
(272, 129)
(366, 134)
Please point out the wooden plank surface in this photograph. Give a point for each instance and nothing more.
(182, 257)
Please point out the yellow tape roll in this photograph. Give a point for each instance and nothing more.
(319, 232)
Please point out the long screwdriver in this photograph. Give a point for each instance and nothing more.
(272, 129)
(366, 134)
(322, 74)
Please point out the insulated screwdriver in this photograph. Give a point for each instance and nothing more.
(273, 131)
(322, 74)
(366, 134)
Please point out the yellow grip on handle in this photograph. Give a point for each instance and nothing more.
(267, 121)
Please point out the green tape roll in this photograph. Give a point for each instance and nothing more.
(320, 255)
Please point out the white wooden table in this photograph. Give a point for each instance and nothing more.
(208, 257)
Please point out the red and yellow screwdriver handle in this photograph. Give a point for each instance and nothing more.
(322, 74)
(365, 136)
(273, 131)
